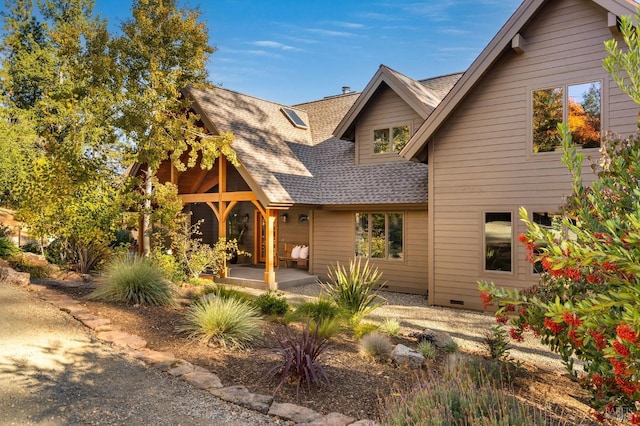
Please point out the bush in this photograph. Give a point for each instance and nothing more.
(300, 358)
(226, 292)
(461, 395)
(272, 302)
(133, 279)
(376, 346)
(7, 248)
(31, 247)
(318, 310)
(227, 321)
(496, 343)
(170, 267)
(363, 328)
(427, 349)
(20, 263)
(391, 327)
(355, 290)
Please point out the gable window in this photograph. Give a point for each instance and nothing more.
(379, 235)
(498, 237)
(579, 105)
(391, 139)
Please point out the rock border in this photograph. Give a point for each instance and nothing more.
(135, 347)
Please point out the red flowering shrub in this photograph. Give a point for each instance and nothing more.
(587, 303)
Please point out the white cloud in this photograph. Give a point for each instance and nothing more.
(274, 45)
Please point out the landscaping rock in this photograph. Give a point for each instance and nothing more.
(364, 423)
(332, 419)
(12, 276)
(35, 259)
(122, 339)
(240, 395)
(407, 357)
(293, 412)
(180, 367)
(98, 324)
(439, 339)
(202, 379)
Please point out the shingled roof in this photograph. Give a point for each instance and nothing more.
(290, 164)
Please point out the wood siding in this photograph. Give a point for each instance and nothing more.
(334, 241)
(481, 159)
(385, 110)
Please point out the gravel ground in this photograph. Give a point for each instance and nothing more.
(53, 372)
(467, 328)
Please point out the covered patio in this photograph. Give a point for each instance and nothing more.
(252, 276)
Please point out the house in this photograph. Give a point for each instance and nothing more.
(488, 148)
(422, 177)
(296, 183)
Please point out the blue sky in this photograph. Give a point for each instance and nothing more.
(296, 51)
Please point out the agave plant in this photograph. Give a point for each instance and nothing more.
(355, 289)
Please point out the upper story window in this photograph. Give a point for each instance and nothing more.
(380, 235)
(391, 139)
(580, 105)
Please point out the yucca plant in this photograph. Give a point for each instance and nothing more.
(133, 279)
(355, 289)
(226, 321)
(300, 358)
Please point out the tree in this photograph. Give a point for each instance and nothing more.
(586, 303)
(163, 50)
(57, 86)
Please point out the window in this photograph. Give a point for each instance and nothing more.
(580, 105)
(294, 118)
(497, 241)
(379, 235)
(390, 140)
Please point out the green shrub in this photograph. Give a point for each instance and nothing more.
(137, 280)
(300, 358)
(170, 267)
(450, 347)
(31, 247)
(226, 292)
(356, 290)
(7, 248)
(272, 303)
(427, 349)
(376, 346)
(226, 321)
(456, 398)
(363, 328)
(318, 310)
(390, 327)
(20, 263)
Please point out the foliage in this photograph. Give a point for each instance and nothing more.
(322, 308)
(355, 290)
(7, 248)
(31, 247)
(226, 321)
(361, 329)
(427, 349)
(496, 342)
(461, 395)
(272, 302)
(22, 264)
(300, 357)
(450, 347)
(136, 280)
(226, 292)
(376, 346)
(168, 264)
(390, 327)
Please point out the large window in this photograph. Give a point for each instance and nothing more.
(580, 105)
(497, 241)
(379, 235)
(391, 139)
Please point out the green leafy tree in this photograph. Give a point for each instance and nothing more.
(164, 49)
(586, 303)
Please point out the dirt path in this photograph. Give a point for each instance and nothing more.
(53, 372)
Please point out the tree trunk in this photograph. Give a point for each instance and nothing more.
(146, 218)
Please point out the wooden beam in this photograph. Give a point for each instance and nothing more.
(517, 43)
(228, 210)
(215, 210)
(269, 273)
(215, 197)
(210, 180)
(201, 175)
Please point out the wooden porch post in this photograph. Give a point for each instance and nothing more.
(222, 208)
(269, 273)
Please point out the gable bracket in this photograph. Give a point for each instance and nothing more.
(517, 43)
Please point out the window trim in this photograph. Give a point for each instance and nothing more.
(386, 213)
(483, 250)
(390, 128)
(564, 84)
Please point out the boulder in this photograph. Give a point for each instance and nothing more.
(12, 276)
(35, 259)
(439, 339)
(407, 357)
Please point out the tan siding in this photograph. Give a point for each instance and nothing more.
(481, 160)
(386, 109)
(334, 240)
(292, 231)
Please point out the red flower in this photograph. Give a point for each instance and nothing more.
(575, 338)
(599, 339)
(502, 319)
(597, 380)
(619, 366)
(571, 273)
(570, 318)
(620, 348)
(626, 386)
(487, 299)
(516, 335)
(546, 264)
(634, 418)
(553, 326)
(609, 267)
(599, 416)
(593, 278)
(523, 238)
(626, 333)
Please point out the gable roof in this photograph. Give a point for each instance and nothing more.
(285, 165)
(491, 53)
(423, 95)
